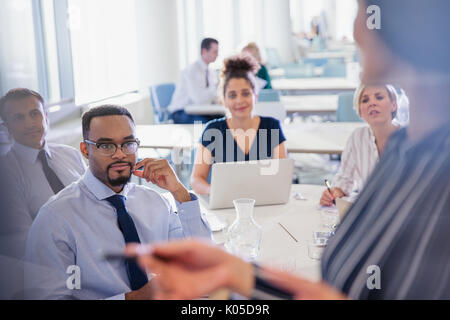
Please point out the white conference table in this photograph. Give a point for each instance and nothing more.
(308, 86)
(310, 104)
(321, 137)
(346, 54)
(281, 72)
(304, 104)
(205, 109)
(278, 248)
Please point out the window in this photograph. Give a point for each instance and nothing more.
(338, 16)
(51, 50)
(18, 62)
(104, 48)
(346, 11)
(233, 22)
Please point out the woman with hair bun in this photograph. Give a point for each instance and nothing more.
(242, 136)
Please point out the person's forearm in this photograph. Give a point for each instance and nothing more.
(181, 194)
(200, 185)
(240, 276)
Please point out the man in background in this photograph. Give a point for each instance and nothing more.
(197, 85)
(34, 169)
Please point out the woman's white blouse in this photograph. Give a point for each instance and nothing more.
(357, 162)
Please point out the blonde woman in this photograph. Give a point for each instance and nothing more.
(253, 50)
(377, 105)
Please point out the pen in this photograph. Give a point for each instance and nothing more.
(284, 228)
(329, 189)
(120, 254)
(112, 255)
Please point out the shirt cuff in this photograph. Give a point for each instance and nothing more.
(191, 219)
(189, 209)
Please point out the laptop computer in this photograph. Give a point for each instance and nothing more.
(266, 181)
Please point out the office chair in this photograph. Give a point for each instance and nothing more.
(299, 71)
(161, 96)
(269, 95)
(316, 62)
(334, 70)
(345, 111)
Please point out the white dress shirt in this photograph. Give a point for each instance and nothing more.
(191, 87)
(28, 189)
(77, 225)
(359, 158)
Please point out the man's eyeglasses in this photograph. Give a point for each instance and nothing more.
(109, 148)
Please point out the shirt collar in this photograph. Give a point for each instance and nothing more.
(202, 64)
(373, 142)
(100, 190)
(29, 154)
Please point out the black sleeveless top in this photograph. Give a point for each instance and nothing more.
(218, 139)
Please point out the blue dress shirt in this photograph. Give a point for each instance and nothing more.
(77, 225)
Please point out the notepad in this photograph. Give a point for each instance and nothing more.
(343, 206)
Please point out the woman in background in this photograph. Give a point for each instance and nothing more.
(377, 105)
(253, 50)
(252, 137)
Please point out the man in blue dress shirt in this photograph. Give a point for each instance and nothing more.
(34, 170)
(102, 212)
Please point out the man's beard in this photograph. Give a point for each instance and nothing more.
(121, 180)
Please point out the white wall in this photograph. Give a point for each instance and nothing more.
(17, 52)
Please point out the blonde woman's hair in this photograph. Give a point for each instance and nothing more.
(392, 93)
(253, 47)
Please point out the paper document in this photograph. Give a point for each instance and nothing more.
(214, 222)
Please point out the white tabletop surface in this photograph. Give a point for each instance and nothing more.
(322, 137)
(331, 54)
(278, 248)
(310, 103)
(314, 84)
(205, 109)
(292, 104)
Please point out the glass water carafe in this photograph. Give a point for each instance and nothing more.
(244, 235)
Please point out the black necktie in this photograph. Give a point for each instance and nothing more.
(207, 78)
(51, 176)
(136, 276)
